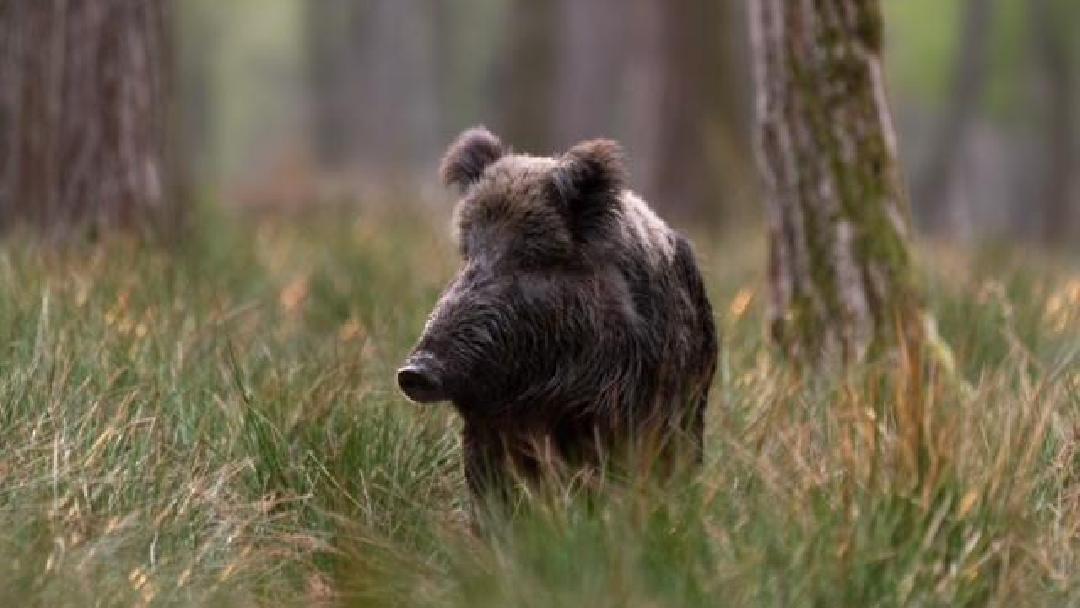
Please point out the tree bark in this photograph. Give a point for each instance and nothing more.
(839, 273)
(84, 113)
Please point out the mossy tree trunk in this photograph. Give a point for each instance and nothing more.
(840, 274)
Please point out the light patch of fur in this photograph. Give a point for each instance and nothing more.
(642, 225)
(528, 162)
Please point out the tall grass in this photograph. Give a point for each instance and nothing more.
(218, 426)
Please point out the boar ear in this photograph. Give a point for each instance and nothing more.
(591, 169)
(468, 156)
(588, 180)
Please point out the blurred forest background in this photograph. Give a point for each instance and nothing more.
(278, 103)
(285, 102)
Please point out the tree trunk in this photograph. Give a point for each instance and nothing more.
(840, 273)
(1051, 32)
(590, 61)
(84, 113)
(373, 84)
(329, 45)
(932, 190)
(526, 75)
(199, 36)
(694, 165)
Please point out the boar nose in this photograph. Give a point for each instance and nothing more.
(420, 382)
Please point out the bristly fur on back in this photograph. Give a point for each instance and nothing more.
(467, 157)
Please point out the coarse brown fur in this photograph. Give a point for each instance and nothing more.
(578, 328)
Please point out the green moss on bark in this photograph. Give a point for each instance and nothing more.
(846, 173)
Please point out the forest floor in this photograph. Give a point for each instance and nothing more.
(219, 426)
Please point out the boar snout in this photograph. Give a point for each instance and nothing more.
(420, 379)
